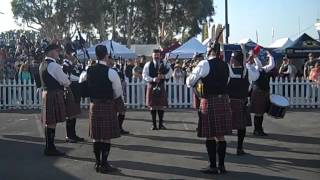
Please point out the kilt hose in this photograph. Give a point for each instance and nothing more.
(240, 114)
(260, 101)
(53, 107)
(160, 100)
(215, 119)
(103, 121)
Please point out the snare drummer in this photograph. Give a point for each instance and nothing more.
(73, 70)
(260, 92)
(238, 90)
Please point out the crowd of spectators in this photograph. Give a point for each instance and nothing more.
(20, 61)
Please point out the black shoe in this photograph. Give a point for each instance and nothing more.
(71, 140)
(259, 133)
(162, 127)
(79, 139)
(210, 170)
(108, 169)
(240, 152)
(263, 133)
(222, 170)
(154, 128)
(53, 152)
(97, 167)
(122, 131)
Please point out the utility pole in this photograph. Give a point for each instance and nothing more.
(227, 25)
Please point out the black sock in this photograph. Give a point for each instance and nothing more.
(260, 123)
(68, 127)
(46, 137)
(105, 153)
(257, 126)
(50, 134)
(154, 117)
(121, 119)
(97, 151)
(160, 114)
(211, 149)
(73, 127)
(241, 135)
(222, 146)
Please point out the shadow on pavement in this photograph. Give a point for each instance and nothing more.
(263, 147)
(170, 139)
(291, 138)
(165, 121)
(30, 138)
(160, 150)
(192, 173)
(23, 160)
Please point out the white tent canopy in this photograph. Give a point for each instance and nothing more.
(281, 43)
(118, 50)
(188, 49)
(245, 41)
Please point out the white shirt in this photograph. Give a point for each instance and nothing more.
(113, 77)
(200, 71)
(145, 73)
(67, 62)
(253, 72)
(267, 67)
(55, 70)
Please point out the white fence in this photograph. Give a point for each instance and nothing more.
(24, 95)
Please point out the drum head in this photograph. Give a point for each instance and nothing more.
(279, 100)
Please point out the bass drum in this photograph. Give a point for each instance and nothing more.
(278, 106)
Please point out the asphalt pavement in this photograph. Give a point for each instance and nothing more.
(291, 151)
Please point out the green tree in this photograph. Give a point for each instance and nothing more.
(50, 17)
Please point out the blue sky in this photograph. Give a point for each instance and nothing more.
(248, 16)
(245, 18)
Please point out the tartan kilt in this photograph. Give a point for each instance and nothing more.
(240, 114)
(72, 104)
(156, 101)
(259, 101)
(118, 105)
(53, 107)
(215, 119)
(103, 122)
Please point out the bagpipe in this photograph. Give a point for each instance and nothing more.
(163, 70)
(212, 46)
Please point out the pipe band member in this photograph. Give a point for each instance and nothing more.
(103, 87)
(260, 96)
(215, 111)
(53, 80)
(72, 95)
(241, 74)
(155, 73)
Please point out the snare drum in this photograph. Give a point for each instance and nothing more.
(278, 105)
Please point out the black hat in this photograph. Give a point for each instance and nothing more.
(51, 47)
(156, 51)
(101, 51)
